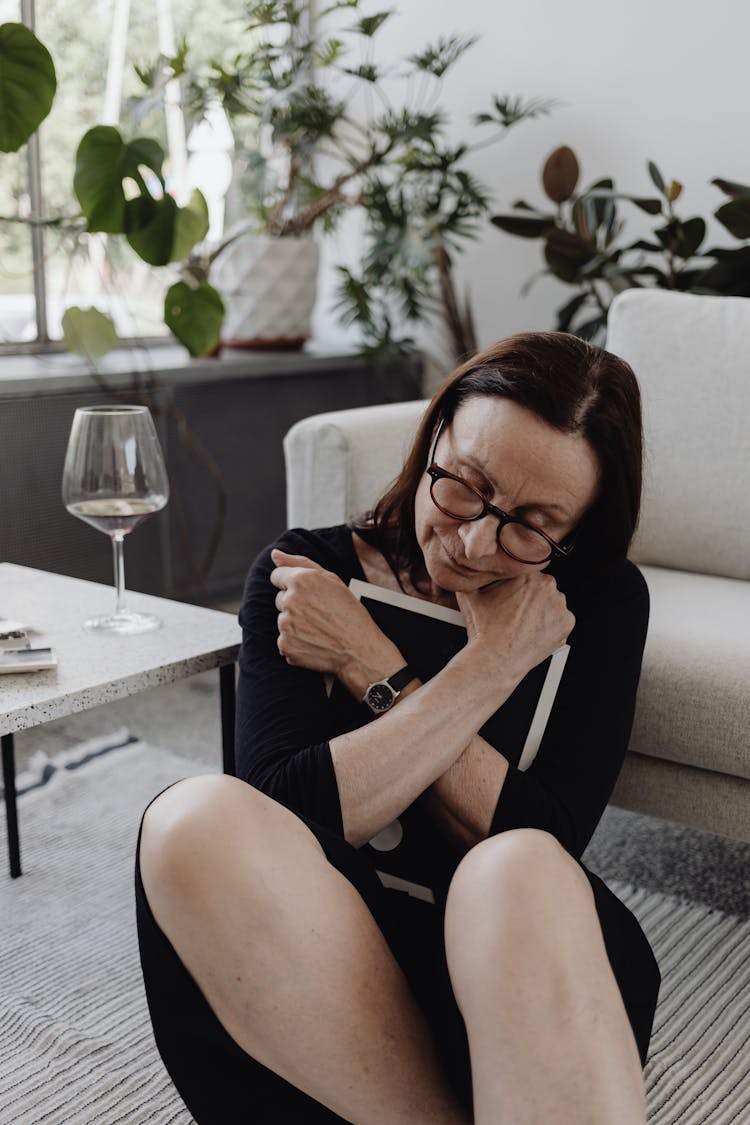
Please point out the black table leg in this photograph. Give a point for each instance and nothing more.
(226, 689)
(11, 812)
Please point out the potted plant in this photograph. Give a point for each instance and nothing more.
(317, 136)
(120, 186)
(307, 152)
(583, 242)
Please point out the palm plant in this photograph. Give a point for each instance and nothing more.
(317, 135)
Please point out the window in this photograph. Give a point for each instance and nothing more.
(95, 45)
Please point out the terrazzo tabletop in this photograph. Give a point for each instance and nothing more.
(94, 669)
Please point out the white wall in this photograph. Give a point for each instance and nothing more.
(636, 80)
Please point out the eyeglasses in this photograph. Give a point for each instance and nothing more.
(458, 499)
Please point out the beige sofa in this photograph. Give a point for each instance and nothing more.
(689, 755)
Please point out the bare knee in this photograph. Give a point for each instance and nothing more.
(192, 831)
(517, 895)
(524, 862)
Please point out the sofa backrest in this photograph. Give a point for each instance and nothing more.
(691, 355)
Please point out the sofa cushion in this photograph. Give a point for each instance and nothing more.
(690, 354)
(694, 696)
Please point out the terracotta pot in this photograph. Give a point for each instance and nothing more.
(268, 286)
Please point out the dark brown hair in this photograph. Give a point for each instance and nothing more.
(572, 385)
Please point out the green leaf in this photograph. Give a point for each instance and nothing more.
(27, 85)
(329, 52)
(195, 316)
(566, 254)
(656, 177)
(524, 227)
(567, 312)
(365, 71)
(650, 206)
(641, 244)
(731, 188)
(88, 332)
(437, 59)
(730, 274)
(191, 226)
(150, 228)
(689, 236)
(735, 216)
(510, 110)
(368, 25)
(645, 203)
(591, 329)
(103, 161)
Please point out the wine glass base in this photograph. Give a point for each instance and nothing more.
(123, 622)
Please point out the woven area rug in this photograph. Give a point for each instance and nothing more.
(75, 1037)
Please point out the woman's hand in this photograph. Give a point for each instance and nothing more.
(518, 622)
(322, 626)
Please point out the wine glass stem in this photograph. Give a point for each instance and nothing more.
(119, 561)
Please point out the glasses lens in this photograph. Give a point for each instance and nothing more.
(523, 543)
(455, 498)
(463, 503)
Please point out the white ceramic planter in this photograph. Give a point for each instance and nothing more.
(268, 286)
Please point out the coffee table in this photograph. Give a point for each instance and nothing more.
(97, 668)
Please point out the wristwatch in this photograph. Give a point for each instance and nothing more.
(381, 695)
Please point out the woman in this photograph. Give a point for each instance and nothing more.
(286, 982)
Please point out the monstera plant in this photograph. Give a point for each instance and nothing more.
(584, 243)
(121, 190)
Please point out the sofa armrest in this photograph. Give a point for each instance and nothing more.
(340, 462)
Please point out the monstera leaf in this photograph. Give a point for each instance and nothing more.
(156, 228)
(103, 162)
(195, 315)
(27, 85)
(88, 332)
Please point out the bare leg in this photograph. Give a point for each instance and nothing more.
(287, 954)
(549, 1037)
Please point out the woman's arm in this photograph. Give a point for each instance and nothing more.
(383, 767)
(569, 784)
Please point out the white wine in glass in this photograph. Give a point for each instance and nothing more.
(114, 478)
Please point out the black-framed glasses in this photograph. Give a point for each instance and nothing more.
(459, 500)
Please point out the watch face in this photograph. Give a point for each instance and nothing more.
(380, 697)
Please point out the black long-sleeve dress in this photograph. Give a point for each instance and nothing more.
(285, 719)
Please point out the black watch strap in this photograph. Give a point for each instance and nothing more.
(400, 679)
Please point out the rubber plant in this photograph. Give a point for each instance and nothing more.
(584, 244)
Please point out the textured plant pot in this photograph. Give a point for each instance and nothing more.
(268, 286)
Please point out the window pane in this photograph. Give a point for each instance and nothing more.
(95, 269)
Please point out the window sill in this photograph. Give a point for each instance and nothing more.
(170, 364)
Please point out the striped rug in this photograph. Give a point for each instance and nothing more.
(75, 1037)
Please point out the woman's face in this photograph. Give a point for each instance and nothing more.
(520, 464)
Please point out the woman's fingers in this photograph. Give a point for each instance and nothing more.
(282, 558)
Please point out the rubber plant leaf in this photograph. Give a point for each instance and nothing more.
(735, 216)
(729, 187)
(103, 162)
(27, 85)
(195, 315)
(560, 174)
(523, 226)
(88, 332)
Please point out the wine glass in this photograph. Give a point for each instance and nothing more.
(114, 478)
